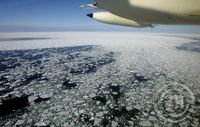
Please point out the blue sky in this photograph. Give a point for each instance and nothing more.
(64, 13)
(53, 13)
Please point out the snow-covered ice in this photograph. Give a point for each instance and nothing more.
(98, 79)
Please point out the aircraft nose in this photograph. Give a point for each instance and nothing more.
(90, 15)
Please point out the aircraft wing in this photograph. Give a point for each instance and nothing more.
(146, 13)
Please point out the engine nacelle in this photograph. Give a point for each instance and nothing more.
(109, 18)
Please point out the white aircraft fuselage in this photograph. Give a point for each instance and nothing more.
(155, 11)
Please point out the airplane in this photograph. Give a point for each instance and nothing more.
(146, 13)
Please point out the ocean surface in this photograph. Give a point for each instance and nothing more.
(74, 79)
